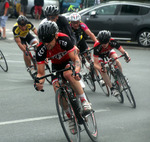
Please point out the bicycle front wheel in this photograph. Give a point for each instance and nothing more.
(91, 126)
(62, 104)
(126, 89)
(116, 84)
(3, 62)
(89, 79)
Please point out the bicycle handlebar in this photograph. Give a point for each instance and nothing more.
(112, 60)
(59, 71)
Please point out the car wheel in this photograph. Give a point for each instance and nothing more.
(32, 13)
(144, 38)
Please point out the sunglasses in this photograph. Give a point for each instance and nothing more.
(51, 18)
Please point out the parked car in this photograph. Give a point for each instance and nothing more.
(30, 7)
(126, 20)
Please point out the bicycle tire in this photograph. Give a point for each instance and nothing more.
(88, 78)
(126, 89)
(90, 126)
(60, 96)
(115, 83)
(3, 62)
(103, 86)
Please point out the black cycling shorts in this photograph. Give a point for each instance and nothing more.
(82, 45)
(56, 67)
(27, 39)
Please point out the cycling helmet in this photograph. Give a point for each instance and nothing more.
(22, 20)
(47, 31)
(75, 17)
(104, 36)
(51, 10)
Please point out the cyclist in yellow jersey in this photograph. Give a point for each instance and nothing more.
(22, 37)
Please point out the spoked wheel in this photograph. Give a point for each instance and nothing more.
(90, 81)
(127, 90)
(63, 103)
(116, 85)
(119, 97)
(3, 62)
(91, 126)
(103, 86)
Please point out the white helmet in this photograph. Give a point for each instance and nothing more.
(75, 17)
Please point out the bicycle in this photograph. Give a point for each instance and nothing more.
(66, 98)
(91, 76)
(3, 62)
(30, 50)
(119, 81)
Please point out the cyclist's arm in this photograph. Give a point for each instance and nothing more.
(75, 58)
(91, 35)
(41, 71)
(35, 31)
(21, 46)
(121, 49)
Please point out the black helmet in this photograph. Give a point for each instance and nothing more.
(104, 36)
(51, 10)
(47, 31)
(22, 20)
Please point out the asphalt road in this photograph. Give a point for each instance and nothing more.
(30, 116)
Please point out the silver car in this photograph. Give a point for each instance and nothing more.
(30, 7)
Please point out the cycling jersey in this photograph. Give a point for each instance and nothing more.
(19, 33)
(80, 31)
(59, 53)
(99, 51)
(64, 27)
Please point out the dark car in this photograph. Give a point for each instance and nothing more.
(126, 20)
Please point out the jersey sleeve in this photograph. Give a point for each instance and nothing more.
(114, 44)
(66, 43)
(84, 26)
(41, 54)
(96, 51)
(15, 31)
(31, 26)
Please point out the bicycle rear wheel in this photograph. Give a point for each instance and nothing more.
(126, 89)
(91, 126)
(62, 101)
(3, 62)
(89, 79)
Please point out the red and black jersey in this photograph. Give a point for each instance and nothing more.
(99, 50)
(59, 53)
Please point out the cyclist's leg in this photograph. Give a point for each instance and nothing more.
(113, 54)
(76, 86)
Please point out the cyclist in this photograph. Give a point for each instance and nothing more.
(52, 14)
(22, 36)
(105, 47)
(59, 48)
(81, 31)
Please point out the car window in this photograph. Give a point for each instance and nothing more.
(129, 10)
(106, 10)
(144, 10)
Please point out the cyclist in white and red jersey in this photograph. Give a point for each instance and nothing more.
(81, 31)
(105, 47)
(59, 48)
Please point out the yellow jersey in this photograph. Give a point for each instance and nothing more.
(19, 33)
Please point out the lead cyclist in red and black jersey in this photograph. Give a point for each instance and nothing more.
(105, 47)
(59, 48)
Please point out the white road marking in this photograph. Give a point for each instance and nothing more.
(13, 61)
(39, 118)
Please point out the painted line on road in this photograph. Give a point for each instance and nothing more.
(13, 61)
(40, 118)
